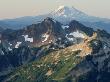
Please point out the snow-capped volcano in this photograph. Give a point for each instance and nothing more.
(68, 14)
(66, 11)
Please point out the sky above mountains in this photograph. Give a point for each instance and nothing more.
(19, 8)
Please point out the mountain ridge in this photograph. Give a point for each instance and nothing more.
(90, 21)
(50, 51)
(70, 64)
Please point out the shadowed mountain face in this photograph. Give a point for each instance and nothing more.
(62, 14)
(75, 25)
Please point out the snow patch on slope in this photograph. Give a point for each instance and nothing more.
(10, 44)
(9, 49)
(77, 34)
(45, 36)
(64, 27)
(73, 35)
(27, 38)
(69, 38)
(17, 45)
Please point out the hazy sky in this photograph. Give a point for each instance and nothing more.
(18, 8)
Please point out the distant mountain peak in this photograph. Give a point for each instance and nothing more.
(67, 13)
(66, 7)
(60, 7)
(66, 10)
(49, 19)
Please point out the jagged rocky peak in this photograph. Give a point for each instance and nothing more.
(75, 25)
(36, 34)
(48, 26)
(53, 26)
(49, 22)
(49, 19)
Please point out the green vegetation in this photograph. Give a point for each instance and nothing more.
(54, 67)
